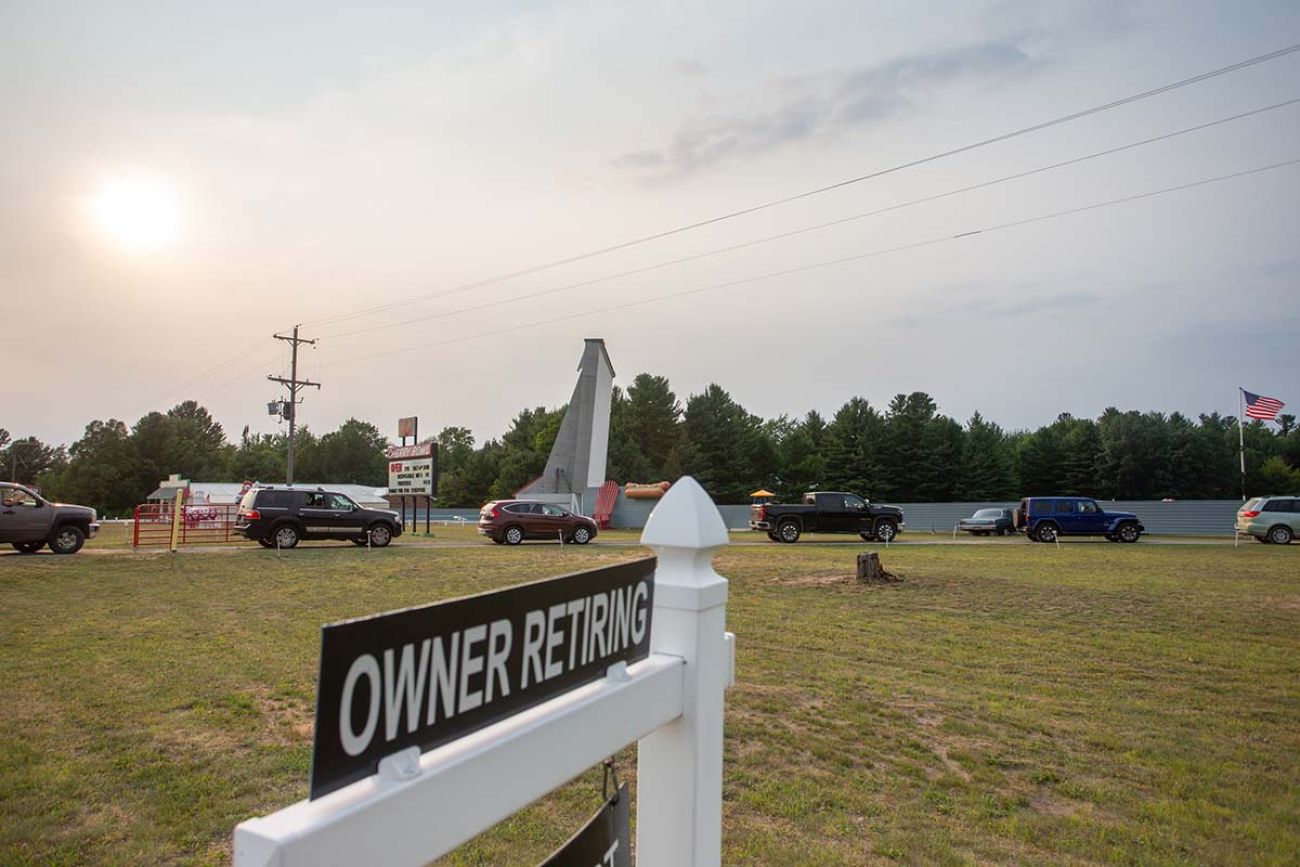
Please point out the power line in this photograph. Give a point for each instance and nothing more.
(1127, 100)
(830, 262)
(197, 379)
(262, 360)
(795, 232)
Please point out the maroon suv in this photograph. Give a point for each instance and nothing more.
(509, 522)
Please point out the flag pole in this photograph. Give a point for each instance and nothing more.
(1241, 437)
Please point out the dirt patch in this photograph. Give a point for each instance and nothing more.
(290, 719)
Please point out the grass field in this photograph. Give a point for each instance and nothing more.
(1007, 703)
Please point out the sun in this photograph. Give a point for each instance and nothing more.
(141, 214)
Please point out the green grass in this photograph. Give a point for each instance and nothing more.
(1013, 704)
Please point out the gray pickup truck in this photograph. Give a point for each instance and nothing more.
(29, 522)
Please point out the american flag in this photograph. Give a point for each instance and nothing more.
(1258, 406)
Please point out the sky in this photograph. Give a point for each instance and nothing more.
(183, 180)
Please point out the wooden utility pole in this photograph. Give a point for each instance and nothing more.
(294, 384)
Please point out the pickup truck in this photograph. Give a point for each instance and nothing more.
(827, 512)
(29, 522)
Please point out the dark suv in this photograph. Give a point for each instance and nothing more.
(280, 517)
(509, 522)
(1043, 519)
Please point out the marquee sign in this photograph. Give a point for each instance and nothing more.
(426, 676)
(411, 470)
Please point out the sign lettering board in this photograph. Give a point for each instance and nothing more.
(412, 470)
(426, 676)
(605, 841)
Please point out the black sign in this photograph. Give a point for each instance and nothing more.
(606, 841)
(429, 675)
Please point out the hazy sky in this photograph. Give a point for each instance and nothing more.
(182, 180)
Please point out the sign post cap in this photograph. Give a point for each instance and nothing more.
(685, 518)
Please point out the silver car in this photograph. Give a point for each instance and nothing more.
(1274, 520)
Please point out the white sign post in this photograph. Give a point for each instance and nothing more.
(421, 806)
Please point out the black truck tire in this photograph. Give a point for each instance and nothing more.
(789, 532)
(67, 539)
(1128, 532)
(886, 531)
(28, 547)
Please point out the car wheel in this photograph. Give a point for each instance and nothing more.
(380, 536)
(514, 535)
(1046, 532)
(789, 532)
(886, 531)
(285, 537)
(28, 547)
(266, 543)
(581, 535)
(1128, 533)
(67, 540)
(1280, 535)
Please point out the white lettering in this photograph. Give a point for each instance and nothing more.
(609, 855)
(553, 639)
(638, 602)
(534, 632)
(498, 653)
(575, 608)
(355, 744)
(470, 664)
(442, 679)
(406, 688)
(600, 607)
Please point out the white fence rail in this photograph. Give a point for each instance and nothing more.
(419, 807)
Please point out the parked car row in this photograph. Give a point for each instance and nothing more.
(1041, 519)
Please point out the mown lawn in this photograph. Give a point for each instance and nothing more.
(1011, 704)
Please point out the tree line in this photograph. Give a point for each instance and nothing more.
(114, 467)
(906, 451)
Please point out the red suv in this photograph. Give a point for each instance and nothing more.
(509, 522)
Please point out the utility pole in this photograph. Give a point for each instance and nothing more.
(294, 384)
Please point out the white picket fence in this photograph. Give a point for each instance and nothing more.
(421, 806)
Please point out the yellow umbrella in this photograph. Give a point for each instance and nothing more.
(762, 493)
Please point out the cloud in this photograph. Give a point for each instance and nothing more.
(822, 105)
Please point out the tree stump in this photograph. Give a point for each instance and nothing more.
(871, 572)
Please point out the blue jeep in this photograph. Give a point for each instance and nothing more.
(1042, 519)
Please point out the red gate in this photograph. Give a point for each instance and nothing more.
(200, 524)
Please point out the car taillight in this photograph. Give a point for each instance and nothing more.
(493, 514)
(253, 515)
(1252, 514)
(762, 512)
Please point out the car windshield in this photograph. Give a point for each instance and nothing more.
(989, 513)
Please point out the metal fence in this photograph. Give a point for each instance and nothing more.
(200, 524)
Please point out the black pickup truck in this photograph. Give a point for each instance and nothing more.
(827, 512)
